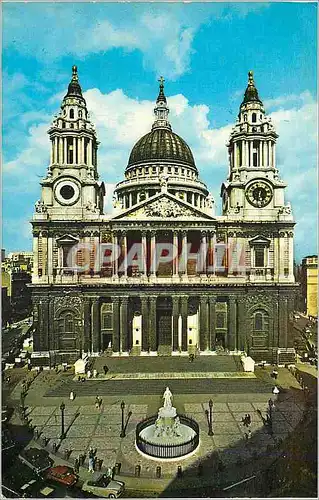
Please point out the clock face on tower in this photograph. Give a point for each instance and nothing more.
(259, 194)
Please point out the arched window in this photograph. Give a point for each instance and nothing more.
(253, 117)
(80, 114)
(63, 124)
(260, 321)
(245, 118)
(71, 113)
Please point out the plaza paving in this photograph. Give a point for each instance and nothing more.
(88, 426)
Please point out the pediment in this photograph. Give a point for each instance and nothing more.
(67, 239)
(163, 206)
(260, 240)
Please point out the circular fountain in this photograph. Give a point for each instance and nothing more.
(167, 435)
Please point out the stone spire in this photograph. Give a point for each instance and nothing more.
(251, 93)
(161, 109)
(74, 88)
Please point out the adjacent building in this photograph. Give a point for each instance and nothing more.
(309, 285)
(163, 274)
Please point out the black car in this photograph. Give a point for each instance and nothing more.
(37, 459)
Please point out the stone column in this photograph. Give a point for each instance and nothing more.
(130, 200)
(265, 154)
(144, 252)
(247, 152)
(193, 199)
(116, 324)
(44, 322)
(260, 154)
(235, 155)
(87, 340)
(184, 313)
(175, 243)
(274, 155)
(184, 251)
(50, 256)
(175, 321)
(153, 253)
(123, 328)
(116, 261)
(145, 323)
(35, 269)
(269, 154)
(89, 153)
(61, 160)
(52, 153)
(65, 148)
(96, 331)
(242, 330)
(124, 234)
(74, 151)
(283, 321)
(204, 252)
(203, 338)
(251, 154)
(56, 150)
(212, 322)
(152, 324)
(232, 324)
(83, 149)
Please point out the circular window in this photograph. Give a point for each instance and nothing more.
(67, 191)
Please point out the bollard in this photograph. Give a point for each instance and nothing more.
(158, 471)
(137, 470)
(117, 468)
(179, 471)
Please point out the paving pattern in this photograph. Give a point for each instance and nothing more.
(88, 426)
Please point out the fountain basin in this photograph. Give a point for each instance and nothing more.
(167, 447)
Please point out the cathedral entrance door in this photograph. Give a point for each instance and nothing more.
(164, 328)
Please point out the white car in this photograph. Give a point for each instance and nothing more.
(102, 485)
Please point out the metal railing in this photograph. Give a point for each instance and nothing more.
(167, 450)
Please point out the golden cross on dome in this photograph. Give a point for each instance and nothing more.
(161, 80)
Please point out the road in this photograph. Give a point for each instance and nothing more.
(12, 335)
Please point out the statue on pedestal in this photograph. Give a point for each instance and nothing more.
(167, 396)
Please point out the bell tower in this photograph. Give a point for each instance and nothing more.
(71, 188)
(253, 189)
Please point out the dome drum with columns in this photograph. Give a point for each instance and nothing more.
(229, 286)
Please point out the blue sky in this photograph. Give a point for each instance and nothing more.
(204, 52)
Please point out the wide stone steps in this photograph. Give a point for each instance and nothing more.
(156, 387)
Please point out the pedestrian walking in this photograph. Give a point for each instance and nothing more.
(91, 464)
(105, 369)
(72, 395)
(89, 374)
(76, 465)
(98, 464)
(275, 390)
(249, 434)
(94, 373)
(91, 452)
(274, 374)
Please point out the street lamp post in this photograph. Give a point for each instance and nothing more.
(210, 422)
(62, 408)
(122, 435)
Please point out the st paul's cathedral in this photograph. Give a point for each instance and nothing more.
(227, 285)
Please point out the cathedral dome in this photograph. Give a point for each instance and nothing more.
(161, 144)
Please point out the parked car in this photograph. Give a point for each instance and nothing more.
(37, 459)
(102, 485)
(62, 474)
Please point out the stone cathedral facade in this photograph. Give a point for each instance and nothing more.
(230, 286)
